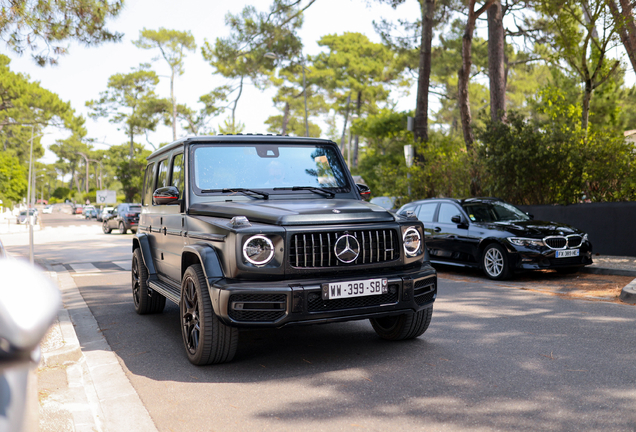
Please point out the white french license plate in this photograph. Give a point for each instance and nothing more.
(366, 287)
(567, 253)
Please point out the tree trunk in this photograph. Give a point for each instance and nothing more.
(174, 107)
(587, 97)
(420, 129)
(626, 27)
(356, 140)
(285, 118)
(496, 62)
(132, 146)
(463, 74)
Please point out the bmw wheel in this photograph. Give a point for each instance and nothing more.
(494, 262)
(106, 228)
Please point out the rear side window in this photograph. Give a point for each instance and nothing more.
(178, 173)
(162, 174)
(426, 212)
(146, 200)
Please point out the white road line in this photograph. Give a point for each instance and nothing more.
(84, 268)
(126, 265)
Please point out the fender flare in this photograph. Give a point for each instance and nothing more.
(211, 265)
(141, 241)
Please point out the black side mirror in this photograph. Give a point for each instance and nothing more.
(457, 219)
(364, 190)
(166, 195)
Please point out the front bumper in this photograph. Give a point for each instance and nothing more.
(291, 302)
(524, 258)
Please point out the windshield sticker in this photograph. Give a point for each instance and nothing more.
(472, 218)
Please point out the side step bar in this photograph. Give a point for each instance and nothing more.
(167, 290)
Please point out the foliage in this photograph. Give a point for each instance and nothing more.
(130, 101)
(13, 178)
(552, 160)
(26, 24)
(130, 173)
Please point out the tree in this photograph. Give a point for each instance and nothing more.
(625, 25)
(496, 61)
(129, 172)
(465, 70)
(577, 40)
(241, 56)
(130, 101)
(26, 24)
(173, 45)
(356, 67)
(13, 178)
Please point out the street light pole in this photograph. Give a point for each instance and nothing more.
(28, 212)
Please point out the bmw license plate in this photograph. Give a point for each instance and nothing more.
(567, 253)
(366, 287)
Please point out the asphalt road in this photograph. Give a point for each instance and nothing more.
(495, 357)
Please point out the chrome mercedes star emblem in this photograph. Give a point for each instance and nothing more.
(347, 248)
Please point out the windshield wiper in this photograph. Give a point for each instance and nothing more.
(247, 192)
(316, 189)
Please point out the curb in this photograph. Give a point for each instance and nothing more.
(71, 351)
(628, 293)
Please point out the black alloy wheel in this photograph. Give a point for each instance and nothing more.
(494, 262)
(207, 340)
(145, 301)
(402, 327)
(106, 228)
(122, 228)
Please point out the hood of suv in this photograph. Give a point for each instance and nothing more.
(533, 228)
(284, 212)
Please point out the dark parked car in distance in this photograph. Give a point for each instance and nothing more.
(123, 217)
(497, 237)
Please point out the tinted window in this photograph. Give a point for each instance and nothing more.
(147, 197)
(494, 211)
(162, 174)
(267, 166)
(177, 173)
(426, 212)
(446, 212)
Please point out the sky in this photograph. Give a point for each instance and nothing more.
(83, 73)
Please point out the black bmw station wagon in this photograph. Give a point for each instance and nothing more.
(246, 231)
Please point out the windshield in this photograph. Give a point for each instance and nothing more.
(494, 211)
(267, 166)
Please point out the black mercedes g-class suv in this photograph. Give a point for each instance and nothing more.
(246, 231)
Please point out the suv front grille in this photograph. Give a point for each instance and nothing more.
(315, 303)
(315, 250)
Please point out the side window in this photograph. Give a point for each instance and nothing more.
(162, 174)
(446, 212)
(146, 199)
(178, 172)
(426, 212)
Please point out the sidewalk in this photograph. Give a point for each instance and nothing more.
(81, 385)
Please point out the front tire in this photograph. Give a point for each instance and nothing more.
(145, 303)
(402, 327)
(122, 228)
(207, 340)
(106, 228)
(494, 262)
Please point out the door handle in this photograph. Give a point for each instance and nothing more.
(437, 229)
(165, 230)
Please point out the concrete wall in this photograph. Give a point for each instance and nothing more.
(611, 226)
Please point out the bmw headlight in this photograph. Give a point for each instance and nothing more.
(412, 241)
(521, 241)
(258, 250)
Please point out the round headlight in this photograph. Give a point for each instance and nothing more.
(412, 241)
(258, 250)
